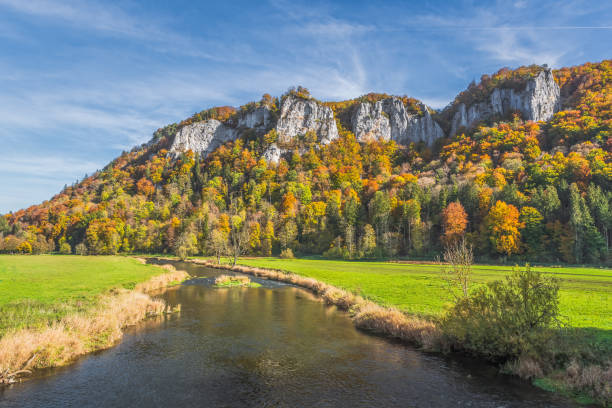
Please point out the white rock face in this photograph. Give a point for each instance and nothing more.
(538, 102)
(272, 154)
(202, 137)
(259, 119)
(388, 119)
(422, 128)
(298, 116)
(370, 123)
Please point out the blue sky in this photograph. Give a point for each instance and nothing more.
(80, 81)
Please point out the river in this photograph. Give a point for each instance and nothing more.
(273, 346)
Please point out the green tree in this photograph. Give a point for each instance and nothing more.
(288, 233)
(380, 212)
(411, 216)
(532, 229)
(4, 226)
(589, 245)
(599, 204)
(547, 201)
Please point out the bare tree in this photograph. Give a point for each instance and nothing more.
(239, 236)
(459, 257)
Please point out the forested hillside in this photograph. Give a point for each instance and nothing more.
(516, 189)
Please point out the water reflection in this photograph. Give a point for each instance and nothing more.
(271, 346)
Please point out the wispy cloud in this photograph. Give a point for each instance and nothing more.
(48, 167)
(89, 15)
(85, 79)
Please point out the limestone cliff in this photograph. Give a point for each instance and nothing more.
(538, 101)
(273, 153)
(299, 115)
(388, 119)
(259, 119)
(202, 137)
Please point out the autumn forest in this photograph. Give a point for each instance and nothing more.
(516, 190)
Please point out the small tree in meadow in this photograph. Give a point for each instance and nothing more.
(459, 256)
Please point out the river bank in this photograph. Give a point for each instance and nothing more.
(584, 381)
(94, 313)
(274, 345)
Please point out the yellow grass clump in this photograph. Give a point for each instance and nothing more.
(24, 350)
(226, 279)
(162, 281)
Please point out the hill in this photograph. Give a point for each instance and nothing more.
(519, 163)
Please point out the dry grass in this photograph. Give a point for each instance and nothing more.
(525, 367)
(24, 350)
(366, 315)
(595, 380)
(229, 280)
(162, 281)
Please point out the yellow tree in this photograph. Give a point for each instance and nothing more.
(267, 238)
(503, 224)
(254, 236)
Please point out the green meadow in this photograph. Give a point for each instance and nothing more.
(36, 290)
(585, 295)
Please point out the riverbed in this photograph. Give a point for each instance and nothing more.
(272, 346)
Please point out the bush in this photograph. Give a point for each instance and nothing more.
(65, 248)
(506, 319)
(25, 248)
(287, 253)
(80, 249)
(181, 252)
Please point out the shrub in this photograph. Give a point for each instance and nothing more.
(287, 253)
(181, 252)
(25, 248)
(80, 249)
(506, 319)
(65, 248)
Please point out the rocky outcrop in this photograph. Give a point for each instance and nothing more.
(272, 154)
(388, 119)
(538, 101)
(298, 116)
(422, 129)
(258, 119)
(370, 122)
(202, 137)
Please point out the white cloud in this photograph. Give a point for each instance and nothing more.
(47, 167)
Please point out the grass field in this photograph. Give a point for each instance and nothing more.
(35, 290)
(585, 295)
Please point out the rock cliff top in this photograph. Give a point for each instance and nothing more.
(388, 118)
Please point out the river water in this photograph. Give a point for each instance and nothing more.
(273, 346)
